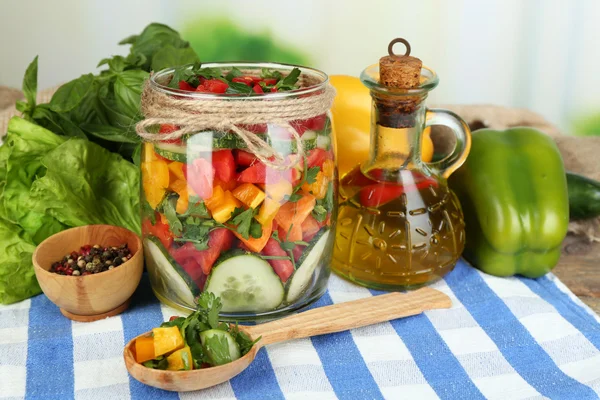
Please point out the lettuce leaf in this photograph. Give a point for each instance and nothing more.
(17, 278)
(86, 184)
(49, 183)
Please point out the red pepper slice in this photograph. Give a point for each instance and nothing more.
(244, 159)
(215, 86)
(224, 165)
(381, 193)
(159, 230)
(246, 80)
(316, 157)
(183, 85)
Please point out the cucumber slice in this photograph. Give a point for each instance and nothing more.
(171, 151)
(216, 353)
(177, 152)
(245, 282)
(308, 263)
(323, 142)
(166, 272)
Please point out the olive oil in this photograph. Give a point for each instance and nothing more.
(406, 242)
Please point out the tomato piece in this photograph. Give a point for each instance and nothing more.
(159, 230)
(224, 165)
(317, 123)
(283, 268)
(202, 88)
(316, 157)
(219, 241)
(183, 85)
(244, 159)
(256, 79)
(259, 173)
(270, 81)
(310, 227)
(297, 252)
(381, 193)
(215, 85)
(257, 89)
(246, 80)
(199, 176)
(273, 89)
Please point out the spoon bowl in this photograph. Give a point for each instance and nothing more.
(318, 321)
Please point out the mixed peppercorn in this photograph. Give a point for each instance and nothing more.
(92, 260)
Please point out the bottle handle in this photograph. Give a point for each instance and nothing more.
(450, 163)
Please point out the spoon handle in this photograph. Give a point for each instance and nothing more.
(352, 314)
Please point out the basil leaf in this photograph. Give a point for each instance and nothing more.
(69, 95)
(111, 133)
(129, 39)
(128, 91)
(30, 83)
(170, 56)
(153, 38)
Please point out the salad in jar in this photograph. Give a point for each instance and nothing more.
(256, 233)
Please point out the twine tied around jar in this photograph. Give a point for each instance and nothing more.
(192, 116)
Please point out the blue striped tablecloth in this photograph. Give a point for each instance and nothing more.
(502, 339)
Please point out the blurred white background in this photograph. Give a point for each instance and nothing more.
(539, 54)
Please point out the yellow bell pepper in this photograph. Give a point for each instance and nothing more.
(181, 360)
(180, 187)
(319, 187)
(176, 170)
(351, 113)
(249, 194)
(267, 211)
(222, 212)
(167, 340)
(155, 181)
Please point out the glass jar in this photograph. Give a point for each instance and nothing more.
(399, 225)
(216, 218)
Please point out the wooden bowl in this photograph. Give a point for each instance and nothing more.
(96, 296)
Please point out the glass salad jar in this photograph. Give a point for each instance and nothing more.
(221, 214)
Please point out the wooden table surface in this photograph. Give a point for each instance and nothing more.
(579, 269)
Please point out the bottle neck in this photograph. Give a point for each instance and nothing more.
(397, 123)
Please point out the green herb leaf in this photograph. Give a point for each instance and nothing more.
(178, 322)
(30, 83)
(319, 213)
(129, 39)
(168, 209)
(212, 305)
(289, 82)
(311, 175)
(197, 208)
(194, 231)
(234, 73)
(267, 73)
(170, 56)
(217, 348)
(239, 88)
(294, 197)
(243, 221)
(255, 229)
(69, 95)
(207, 73)
(112, 133)
(243, 340)
(158, 363)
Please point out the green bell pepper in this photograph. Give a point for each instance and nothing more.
(513, 192)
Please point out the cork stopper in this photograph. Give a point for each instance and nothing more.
(400, 71)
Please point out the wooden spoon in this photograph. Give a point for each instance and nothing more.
(318, 321)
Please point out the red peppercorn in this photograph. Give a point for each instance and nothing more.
(69, 272)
